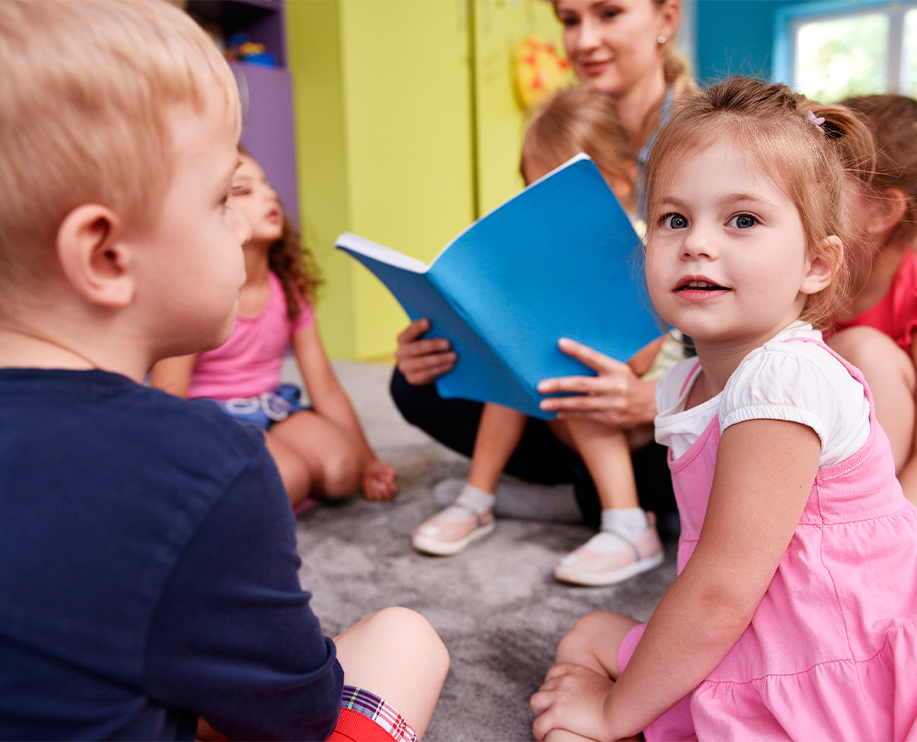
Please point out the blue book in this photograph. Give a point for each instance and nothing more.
(559, 259)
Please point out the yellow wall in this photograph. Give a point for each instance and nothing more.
(396, 141)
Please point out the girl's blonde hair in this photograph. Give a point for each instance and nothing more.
(578, 120)
(781, 134)
(892, 119)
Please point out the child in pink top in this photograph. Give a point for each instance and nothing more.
(794, 613)
(320, 451)
(875, 329)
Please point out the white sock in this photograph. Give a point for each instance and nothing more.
(628, 523)
(470, 499)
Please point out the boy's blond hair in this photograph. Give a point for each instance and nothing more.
(89, 92)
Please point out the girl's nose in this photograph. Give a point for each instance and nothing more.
(697, 242)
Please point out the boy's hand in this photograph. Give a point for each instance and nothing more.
(380, 481)
(421, 361)
(572, 697)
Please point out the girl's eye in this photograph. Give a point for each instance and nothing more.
(743, 221)
(569, 21)
(674, 221)
(609, 13)
(240, 191)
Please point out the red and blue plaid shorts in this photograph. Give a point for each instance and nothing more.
(367, 718)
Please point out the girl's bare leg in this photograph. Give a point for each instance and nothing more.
(606, 453)
(499, 433)
(292, 468)
(331, 458)
(397, 655)
(593, 642)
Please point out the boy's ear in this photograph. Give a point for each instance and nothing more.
(820, 271)
(93, 258)
(888, 212)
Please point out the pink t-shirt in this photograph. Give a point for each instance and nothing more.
(896, 313)
(249, 363)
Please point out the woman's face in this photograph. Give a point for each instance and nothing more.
(613, 45)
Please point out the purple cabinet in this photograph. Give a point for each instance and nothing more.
(267, 130)
(267, 97)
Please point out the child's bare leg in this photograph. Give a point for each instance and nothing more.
(606, 453)
(330, 456)
(593, 642)
(397, 655)
(292, 468)
(471, 516)
(499, 433)
(627, 543)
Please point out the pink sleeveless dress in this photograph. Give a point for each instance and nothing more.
(831, 652)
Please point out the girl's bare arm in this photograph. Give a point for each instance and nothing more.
(173, 375)
(764, 474)
(328, 398)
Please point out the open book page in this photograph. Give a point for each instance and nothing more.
(559, 260)
(410, 284)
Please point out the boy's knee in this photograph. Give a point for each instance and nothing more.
(403, 623)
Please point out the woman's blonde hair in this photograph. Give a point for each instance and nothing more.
(578, 120)
(87, 101)
(783, 135)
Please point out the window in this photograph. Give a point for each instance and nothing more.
(835, 49)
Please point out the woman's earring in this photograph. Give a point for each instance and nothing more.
(661, 40)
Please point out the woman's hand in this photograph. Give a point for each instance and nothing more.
(380, 481)
(421, 361)
(616, 397)
(573, 698)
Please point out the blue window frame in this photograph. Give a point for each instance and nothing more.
(834, 48)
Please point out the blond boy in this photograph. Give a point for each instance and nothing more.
(148, 567)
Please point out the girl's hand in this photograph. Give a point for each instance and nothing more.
(421, 361)
(616, 397)
(380, 481)
(573, 698)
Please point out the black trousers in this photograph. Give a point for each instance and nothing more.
(540, 456)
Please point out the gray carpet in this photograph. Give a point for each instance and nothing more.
(496, 606)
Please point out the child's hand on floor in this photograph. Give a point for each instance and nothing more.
(572, 697)
(380, 481)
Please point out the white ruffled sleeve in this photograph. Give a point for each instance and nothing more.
(801, 383)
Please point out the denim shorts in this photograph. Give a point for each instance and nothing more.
(265, 409)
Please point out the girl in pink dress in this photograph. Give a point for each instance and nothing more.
(320, 450)
(794, 613)
(875, 327)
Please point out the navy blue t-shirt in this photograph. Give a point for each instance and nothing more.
(148, 571)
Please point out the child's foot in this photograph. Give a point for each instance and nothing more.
(448, 532)
(552, 503)
(608, 558)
